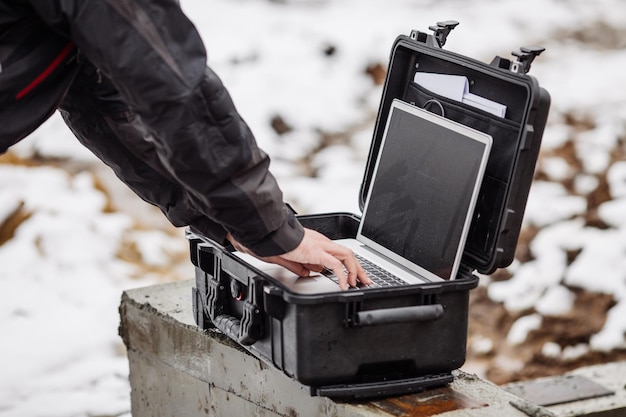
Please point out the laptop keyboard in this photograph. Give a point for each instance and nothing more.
(380, 277)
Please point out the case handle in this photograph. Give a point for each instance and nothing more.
(246, 330)
(399, 315)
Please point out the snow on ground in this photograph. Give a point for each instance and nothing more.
(62, 272)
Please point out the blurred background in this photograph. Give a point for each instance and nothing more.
(307, 76)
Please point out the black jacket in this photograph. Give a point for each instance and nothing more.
(144, 101)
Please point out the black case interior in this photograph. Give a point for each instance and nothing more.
(495, 228)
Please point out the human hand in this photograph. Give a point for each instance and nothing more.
(315, 253)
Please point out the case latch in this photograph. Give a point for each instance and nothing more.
(442, 29)
(525, 58)
(440, 33)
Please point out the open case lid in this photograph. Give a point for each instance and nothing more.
(495, 229)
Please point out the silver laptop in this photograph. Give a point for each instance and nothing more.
(419, 206)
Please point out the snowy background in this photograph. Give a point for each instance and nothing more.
(303, 74)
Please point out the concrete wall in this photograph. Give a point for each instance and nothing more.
(178, 370)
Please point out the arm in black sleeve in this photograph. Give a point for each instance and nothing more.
(103, 123)
(156, 60)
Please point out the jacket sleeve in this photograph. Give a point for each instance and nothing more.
(155, 58)
(104, 124)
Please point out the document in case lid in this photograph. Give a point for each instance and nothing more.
(456, 87)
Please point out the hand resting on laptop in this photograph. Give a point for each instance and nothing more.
(315, 253)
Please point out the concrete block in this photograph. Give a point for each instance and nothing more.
(611, 376)
(178, 370)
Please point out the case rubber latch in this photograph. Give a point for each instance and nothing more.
(442, 29)
(215, 298)
(525, 58)
(251, 327)
(440, 33)
(350, 314)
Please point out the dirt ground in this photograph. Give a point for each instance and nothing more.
(504, 363)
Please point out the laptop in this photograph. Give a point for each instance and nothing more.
(419, 207)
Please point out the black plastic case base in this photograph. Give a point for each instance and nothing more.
(414, 336)
(318, 340)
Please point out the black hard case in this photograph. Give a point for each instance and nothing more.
(373, 342)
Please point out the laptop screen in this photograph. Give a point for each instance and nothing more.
(424, 188)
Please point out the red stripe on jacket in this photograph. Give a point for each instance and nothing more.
(45, 73)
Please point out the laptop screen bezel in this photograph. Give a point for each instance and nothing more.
(483, 138)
